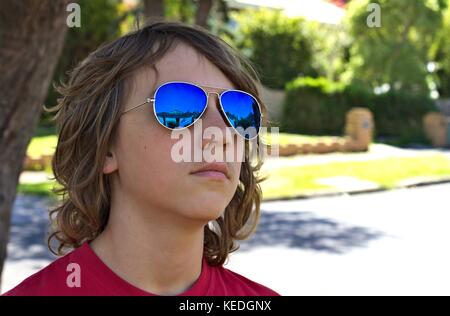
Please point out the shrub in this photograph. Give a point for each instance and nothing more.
(317, 106)
(314, 106)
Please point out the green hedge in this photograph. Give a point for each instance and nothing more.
(314, 106)
(317, 106)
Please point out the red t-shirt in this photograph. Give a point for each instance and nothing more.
(95, 278)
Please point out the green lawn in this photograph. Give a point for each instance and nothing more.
(387, 173)
(42, 145)
(41, 189)
(292, 181)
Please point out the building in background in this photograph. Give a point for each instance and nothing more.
(330, 12)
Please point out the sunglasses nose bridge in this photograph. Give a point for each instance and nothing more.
(216, 93)
(218, 99)
(217, 105)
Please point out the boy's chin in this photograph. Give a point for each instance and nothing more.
(204, 216)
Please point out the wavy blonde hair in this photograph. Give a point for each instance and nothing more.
(88, 113)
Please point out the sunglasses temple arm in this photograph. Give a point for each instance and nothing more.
(148, 100)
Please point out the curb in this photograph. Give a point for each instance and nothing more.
(357, 192)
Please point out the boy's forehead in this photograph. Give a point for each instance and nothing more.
(181, 63)
(186, 64)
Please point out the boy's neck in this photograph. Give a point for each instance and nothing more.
(154, 253)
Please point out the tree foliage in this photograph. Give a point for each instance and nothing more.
(397, 52)
(99, 23)
(441, 55)
(277, 45)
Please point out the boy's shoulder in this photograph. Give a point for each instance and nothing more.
(57, 279)
(44, 282)
(54, 279)
(235, 284)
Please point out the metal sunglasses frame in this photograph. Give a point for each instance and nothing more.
(202, 87)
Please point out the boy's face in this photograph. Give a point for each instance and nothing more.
(143, 170)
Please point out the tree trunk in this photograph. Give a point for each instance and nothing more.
(204, 7)
(31, 36)
(154, 10)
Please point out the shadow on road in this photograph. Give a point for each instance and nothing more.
(29, 227)
(306, 231)
(302, 230)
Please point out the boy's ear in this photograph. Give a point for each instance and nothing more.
(110, 164)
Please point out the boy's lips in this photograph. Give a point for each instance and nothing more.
(218, 170)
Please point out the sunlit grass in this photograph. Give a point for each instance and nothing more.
(387, 173)
(42, 145)
(44, 189)
(294, 181)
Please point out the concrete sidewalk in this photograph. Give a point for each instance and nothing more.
(376, 151)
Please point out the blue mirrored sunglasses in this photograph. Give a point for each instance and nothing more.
(179, 104)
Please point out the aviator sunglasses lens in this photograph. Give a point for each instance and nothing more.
(242, 110)
(178, 105)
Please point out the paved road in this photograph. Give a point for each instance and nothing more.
(387, 243)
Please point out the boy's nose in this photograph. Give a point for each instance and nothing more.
(213, 115)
